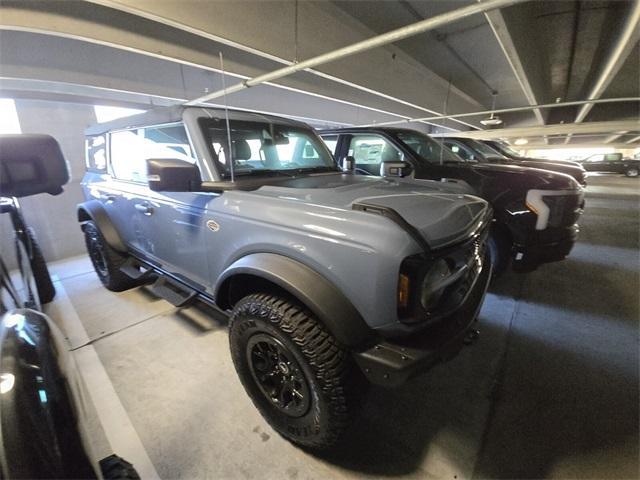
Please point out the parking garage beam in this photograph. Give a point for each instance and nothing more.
(626, 41)
(374, 42)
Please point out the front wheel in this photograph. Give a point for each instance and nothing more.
(301, 380)
(631, 172)
(499, 247)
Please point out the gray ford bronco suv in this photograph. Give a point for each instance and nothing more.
(329, 278)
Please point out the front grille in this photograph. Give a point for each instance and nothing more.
(565, 210)
(472, 255)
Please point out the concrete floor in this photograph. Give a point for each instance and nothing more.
(550, 390)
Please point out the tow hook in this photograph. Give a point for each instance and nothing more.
(471, 336)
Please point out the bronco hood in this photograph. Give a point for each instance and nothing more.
(441, 216)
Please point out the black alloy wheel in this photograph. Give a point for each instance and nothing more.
(95, 246)
(278, 375)
(107, 261)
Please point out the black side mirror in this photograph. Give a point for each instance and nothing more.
(395, 169)
(348, 164)
(31, 164)
(172, 175)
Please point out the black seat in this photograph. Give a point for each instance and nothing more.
(240, 149)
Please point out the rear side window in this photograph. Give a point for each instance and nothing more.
(130, 149)
(96, 153)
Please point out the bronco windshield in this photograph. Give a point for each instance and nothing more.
(427, 148)
(264, 147)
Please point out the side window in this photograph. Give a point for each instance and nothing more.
(332, 142)
(596, 158)
(130, 149)
(96, 153)
(459, 150)
(611, 157)
(370, 151)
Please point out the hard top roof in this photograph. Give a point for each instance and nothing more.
(162, 115)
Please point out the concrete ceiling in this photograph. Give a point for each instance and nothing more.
(145, 52)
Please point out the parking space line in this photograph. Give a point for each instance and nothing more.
(120, 432)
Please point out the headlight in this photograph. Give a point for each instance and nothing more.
(550, 206)
(432, 288)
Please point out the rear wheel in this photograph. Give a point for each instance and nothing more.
(301, 380)
(631, 172)
(106, 261)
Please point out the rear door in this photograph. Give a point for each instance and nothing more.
(595, 163)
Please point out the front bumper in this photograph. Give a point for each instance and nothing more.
(549, 248)
(393, 362)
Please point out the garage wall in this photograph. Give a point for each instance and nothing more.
(53, 217)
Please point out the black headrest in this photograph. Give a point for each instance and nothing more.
(241, 149)
(31, 164)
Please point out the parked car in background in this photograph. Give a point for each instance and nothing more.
(506, 150)
(535, 211)
(42, 410)
(611, 163)
(471, 149)
(329, 278)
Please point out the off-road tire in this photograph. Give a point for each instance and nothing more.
(631, 172)
(116, 468)
(334, 382)
(44, 284)
(106, 261)
(499, 247)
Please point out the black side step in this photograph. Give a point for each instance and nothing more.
(177, 295)
(134, 269)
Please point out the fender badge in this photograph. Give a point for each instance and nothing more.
(213, 226)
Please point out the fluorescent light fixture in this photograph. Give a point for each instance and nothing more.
(105, 113)
(491, 121)
(9, 122)
(521, 141)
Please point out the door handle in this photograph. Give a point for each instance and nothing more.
(145, 208)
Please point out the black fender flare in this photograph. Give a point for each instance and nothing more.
(317, 293)
(93, 210)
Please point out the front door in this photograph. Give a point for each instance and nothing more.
(369, 151)
(167, 228)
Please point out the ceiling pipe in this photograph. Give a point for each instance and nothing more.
(634, 139)
(217, 70)
(626, 41)
(505, 110)
(374, 42)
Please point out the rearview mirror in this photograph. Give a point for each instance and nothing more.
(172, 175)
(31, 164)
(394, 169)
